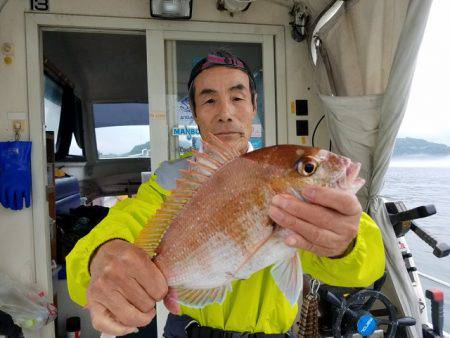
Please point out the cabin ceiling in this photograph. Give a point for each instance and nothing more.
(103, 67)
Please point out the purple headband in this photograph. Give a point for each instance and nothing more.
(212, 60)
(218, 60)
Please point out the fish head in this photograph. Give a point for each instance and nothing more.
(324, 168)
(291, 167)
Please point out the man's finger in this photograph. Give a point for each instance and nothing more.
(299, 242)
(125, 312)
(103, 321)
(342, 201)
(171, 302)
(313, 234)
(315, 214)
(151, 279)
(136, 295)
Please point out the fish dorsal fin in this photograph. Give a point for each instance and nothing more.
(218, 148)
(198, 173)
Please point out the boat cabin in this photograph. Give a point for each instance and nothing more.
(100, 89)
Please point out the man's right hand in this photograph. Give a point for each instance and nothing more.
(124, 288)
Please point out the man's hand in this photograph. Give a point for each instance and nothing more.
(124, 288)
(326, 224)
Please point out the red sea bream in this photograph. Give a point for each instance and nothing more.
(215, 228)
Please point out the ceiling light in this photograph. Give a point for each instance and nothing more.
(233, 6)
(171, 9)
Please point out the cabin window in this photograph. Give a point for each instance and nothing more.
(184, 131)
(122, 130)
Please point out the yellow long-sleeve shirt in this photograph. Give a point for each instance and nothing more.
(255, 304)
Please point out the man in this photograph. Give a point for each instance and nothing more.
(339, 245)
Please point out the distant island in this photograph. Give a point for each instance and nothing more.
(406, 146)
(140, 150)
(413, 146)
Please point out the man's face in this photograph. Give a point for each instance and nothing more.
(223, 104)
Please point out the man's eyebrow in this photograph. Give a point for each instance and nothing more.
(239, 86)
(207, 91)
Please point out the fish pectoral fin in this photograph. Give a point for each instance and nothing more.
(233, 276)
(198, 298)
(288, 276)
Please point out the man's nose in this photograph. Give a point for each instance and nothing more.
(226, 112)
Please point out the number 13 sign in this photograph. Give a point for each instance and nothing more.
(39, 5)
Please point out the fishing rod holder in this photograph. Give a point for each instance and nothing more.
(402, 221)
(436, 297)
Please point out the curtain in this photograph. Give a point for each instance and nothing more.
(78, 130)
(70, 123)
(372, 47)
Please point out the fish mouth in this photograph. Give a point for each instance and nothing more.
(349, 179)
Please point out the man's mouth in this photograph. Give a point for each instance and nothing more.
(227, 133)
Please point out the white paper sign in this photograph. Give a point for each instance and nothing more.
(256, 130)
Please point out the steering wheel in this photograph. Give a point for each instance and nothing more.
(354, 312)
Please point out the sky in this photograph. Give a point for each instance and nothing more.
(428, 112)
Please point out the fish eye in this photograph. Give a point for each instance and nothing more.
(307, 167)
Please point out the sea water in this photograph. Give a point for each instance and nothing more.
(422, 181)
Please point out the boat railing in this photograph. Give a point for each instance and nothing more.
(434, 279)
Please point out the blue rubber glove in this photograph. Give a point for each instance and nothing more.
(15, 174)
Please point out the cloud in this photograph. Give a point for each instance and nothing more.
(120, 139)
(428, 111)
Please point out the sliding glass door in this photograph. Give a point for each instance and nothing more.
(181, 52)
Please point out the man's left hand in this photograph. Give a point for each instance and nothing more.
(325, 224)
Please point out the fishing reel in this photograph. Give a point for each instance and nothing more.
(354, 314)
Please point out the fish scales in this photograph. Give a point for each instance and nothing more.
(199, 223)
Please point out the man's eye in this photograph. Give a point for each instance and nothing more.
(210, 101)
(238, 99)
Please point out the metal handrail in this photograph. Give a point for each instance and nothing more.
(316, 45)
(434, 279)
(327, 14)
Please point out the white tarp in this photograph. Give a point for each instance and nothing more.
(372, 48)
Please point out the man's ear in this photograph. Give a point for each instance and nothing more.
(196, 122)
(191, 107)
(255, 105)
